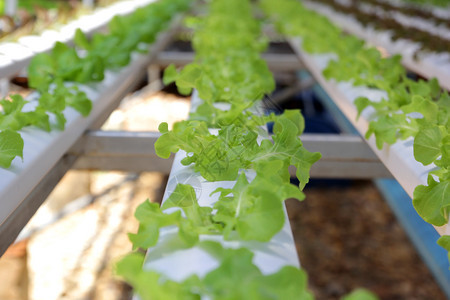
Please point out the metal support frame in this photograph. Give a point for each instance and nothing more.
(153, 75)
(120, 151)
(275, 61)
(39, 185)
(292, 90)
(11, 228)
(344, 156)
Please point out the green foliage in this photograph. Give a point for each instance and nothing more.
(444, 242)
(227, 65)
(220, 157)
(254, 212)
(13, 118)
(11, 145)
(63, 63)
(238, 278)
(40, 72)
(255, 209)
(30, 5)
(235, 278)
(149, 285)
(57, 75)
(55, 103)
(417, 109)
(234, 149)
(440, 3)
(190, 136)
(360, 294)
(150, 220)
(432, 202)
(427, 144)
(195, 220)
(227, 69)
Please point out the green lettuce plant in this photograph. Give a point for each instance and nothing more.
(412, 109)
(58, 74)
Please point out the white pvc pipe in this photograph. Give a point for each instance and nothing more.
(4, 87)
(178, 264)
(10, 7)
(427, 64)
(399, 157)
(43, 149)
(15, 56)
(88, 3)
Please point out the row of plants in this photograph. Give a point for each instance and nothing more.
(25, 22)
(427, 40)
(418, 109)
(57, 75)
(35, 16)
(438, 3)
(411, 11)
(31, 5)
(227, 70)
(32, 17)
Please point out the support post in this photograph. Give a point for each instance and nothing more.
(10, 7)
(4, 87)
(88, 3)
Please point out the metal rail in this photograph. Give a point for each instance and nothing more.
(343, 156)
(275, 61)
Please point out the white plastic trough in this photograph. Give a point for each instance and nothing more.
(14, 57)
(428, 64)
(399, 157)
(179, 264)
(42, 150)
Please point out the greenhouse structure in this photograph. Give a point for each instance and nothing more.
(224, 149)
